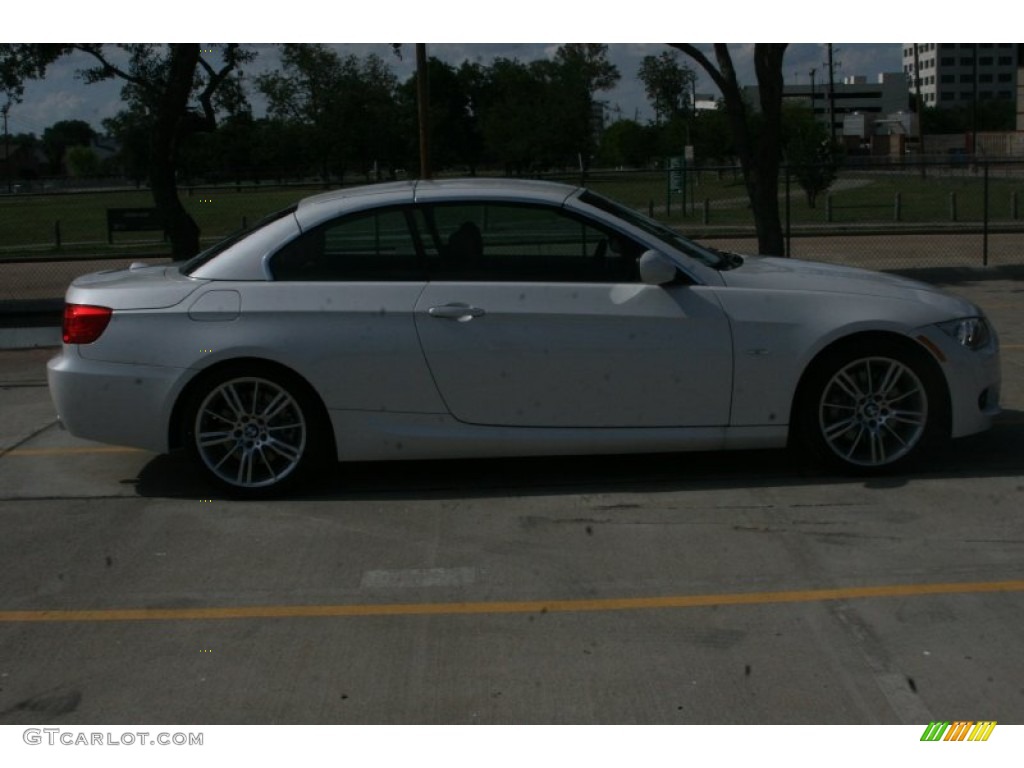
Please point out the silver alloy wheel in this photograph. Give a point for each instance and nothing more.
(873, 411)
(250, 432)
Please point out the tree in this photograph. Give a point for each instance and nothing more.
(810, 154)
(82, 162)
(454, 128)
(176, 87)
(61, 136)
(345, 107)
(588, 61)
(471, 78)
(668, 84)
(19, 152)
(302, 92)
(281, 151)
(511, 132)
(581, 71)
(368, 113)
(130, 127)
(986, 115)
(758, 142)
(711, 137)
(627, 143)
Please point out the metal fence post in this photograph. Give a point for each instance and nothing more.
(984, 218)
(897, 208)
(56, 234)
(1013, 205)
(668, 187)
(707, 210)
(952, 206)
(828, 208)
(789, 228)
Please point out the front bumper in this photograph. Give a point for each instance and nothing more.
(973, 377)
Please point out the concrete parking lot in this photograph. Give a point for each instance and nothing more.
(686, 588)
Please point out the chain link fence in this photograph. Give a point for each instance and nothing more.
(880, 214)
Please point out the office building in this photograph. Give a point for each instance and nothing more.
(887, 95)
(958, 74)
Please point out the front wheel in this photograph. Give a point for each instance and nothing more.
(252, 432)
(873, 407)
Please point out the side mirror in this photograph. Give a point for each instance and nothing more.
(657, 268)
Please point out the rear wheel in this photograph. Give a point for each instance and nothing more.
(873, 407)
(254, 433)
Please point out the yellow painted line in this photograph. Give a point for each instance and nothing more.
(533, 606)
(70, 451)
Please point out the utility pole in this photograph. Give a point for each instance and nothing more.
(423, 108)
(422, 104)
(814, 111)
(831, 97)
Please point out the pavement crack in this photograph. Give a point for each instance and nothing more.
(30, 436)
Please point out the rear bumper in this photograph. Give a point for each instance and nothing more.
(115, 403)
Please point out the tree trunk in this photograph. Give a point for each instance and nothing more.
(181, 229)
(759, 153)
(768, 152)
(168, 128)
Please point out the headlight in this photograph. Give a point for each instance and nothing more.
(971, 332)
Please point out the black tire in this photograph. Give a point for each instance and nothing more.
(872, 407)
(255, 431)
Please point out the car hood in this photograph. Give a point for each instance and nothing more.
(772, 273)
(139, 286)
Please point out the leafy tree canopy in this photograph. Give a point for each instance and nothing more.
(178, 88)
(61, 136)
(668, 84)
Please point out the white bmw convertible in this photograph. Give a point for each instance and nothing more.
(486, 318)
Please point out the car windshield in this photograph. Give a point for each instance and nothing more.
(204, 256)
(667, 235)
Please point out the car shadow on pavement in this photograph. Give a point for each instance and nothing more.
(997, 453)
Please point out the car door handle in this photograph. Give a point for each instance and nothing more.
(462, 313)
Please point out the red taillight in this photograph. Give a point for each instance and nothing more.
(83, 323)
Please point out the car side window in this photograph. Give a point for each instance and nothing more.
(504, 242)
(369, 246)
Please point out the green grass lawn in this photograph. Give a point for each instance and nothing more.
(28, 223)
(857, 197)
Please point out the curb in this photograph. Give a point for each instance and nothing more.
(30, 338)
(31, 323)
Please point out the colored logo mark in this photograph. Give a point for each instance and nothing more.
(959, 730)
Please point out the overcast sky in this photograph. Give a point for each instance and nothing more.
(63, 96)
(453, 25)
